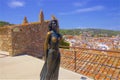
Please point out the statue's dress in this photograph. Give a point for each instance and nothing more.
(50, 70)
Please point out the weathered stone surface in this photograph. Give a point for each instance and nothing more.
(29, 39)
(5, 39)
(25, 21)
(24, 38)
(41, 17)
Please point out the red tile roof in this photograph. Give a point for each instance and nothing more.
(92, 63)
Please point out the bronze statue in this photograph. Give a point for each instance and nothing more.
(50, 70)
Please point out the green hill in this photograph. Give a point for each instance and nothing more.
(90, 31)
(3, 23)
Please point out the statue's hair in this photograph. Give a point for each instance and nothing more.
(50, 25)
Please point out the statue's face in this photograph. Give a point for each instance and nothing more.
(55, 26)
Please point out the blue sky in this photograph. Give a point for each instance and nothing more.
(103, 14)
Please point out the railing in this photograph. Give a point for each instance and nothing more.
(97, 64)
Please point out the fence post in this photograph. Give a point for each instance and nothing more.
(75, 59)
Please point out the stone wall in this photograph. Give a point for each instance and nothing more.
(25, 38)
(6, 39)
(29, 38)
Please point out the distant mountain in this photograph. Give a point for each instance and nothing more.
(90, 32)
(3, 23)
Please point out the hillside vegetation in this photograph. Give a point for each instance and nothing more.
(91, 32)
(3, 23)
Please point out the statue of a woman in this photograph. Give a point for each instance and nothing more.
(50, 70)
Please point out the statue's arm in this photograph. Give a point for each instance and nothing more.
(60, 37)
(46, 45)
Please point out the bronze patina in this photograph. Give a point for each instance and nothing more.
(50, 70)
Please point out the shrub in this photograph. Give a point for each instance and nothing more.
(64, 44)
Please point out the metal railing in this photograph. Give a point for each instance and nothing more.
(97, 64)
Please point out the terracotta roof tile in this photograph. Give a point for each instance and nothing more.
(92, 64)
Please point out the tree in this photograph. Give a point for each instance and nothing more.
(3, 23)
(64, 44)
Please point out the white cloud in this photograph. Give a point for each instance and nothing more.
(15, 4)
(79, 4)
(96, 8)
(83, 10)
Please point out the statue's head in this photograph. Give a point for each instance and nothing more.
(54, 26)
